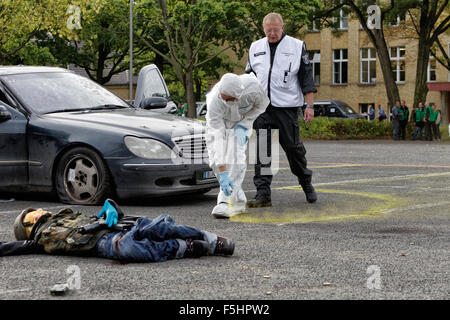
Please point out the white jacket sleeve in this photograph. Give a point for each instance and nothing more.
(215, 131)
(260, 102)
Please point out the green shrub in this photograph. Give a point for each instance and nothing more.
(336, 128)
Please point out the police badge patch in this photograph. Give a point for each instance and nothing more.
(305, 59)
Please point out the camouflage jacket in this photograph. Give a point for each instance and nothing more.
(59, 233)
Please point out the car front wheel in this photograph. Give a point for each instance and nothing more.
(82, 177)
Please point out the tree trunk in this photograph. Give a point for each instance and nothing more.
(379, 42)
(190, 96)
(423, 56)
(198, 88)
(386, 67)
(159, 62)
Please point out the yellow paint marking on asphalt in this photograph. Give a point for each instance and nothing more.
(368, 180)
(318, 167)
(387, 203)
(344, 165)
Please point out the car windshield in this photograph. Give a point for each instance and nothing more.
(60, 92)
(347, 109)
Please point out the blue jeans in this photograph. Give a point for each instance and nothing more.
(396, 124)
(152, 240)
(418, 130)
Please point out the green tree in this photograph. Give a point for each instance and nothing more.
(359, 9)
(430, 19)
(22, 20)
(100, 46)
(296, 14)
(195, 32)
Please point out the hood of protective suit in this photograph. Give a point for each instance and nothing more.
(231, 85)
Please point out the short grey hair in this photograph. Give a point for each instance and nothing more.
(272, 17)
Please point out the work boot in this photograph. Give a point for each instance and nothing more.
(224, 247)
(195, 248)
(307, 187)
(259, 201)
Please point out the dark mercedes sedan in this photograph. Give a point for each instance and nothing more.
(63, 133)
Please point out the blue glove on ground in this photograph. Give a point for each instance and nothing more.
(110, 212)
(225, 183)
(241, 135)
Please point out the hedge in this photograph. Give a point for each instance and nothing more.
(337, 128)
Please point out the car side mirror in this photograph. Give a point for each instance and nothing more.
(153, 103)
(4, 113)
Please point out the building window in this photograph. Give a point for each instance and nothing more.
(398, 63)
(314, 58)
(340, 65)
(343, 23)
(364, 107)
(312, 27)
(342, 20)
(431, 70)
(368, 72)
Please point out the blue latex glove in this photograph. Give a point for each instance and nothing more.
(225, 183)
(241, 135)
(110, 212)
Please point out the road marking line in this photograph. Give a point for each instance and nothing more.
(387, 202)
(410, 176)
(383, 165)
(418, 206)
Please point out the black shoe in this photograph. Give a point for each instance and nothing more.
(259, 202)
(195, 248)
(311, 195)
(224, 247)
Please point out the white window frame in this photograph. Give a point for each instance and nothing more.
(369, 60)
(448, 53)
(312, 27)
(429, 70)
(314, 61)
(396, 24)
(343, 17)
(340, 61)
(343, 20)
(398, 61)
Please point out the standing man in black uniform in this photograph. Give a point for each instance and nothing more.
(282, 65)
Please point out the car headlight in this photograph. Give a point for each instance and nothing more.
(149, 148)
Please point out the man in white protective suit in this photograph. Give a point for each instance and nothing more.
(232, 106)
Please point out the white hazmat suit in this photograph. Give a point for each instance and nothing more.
(223, 119)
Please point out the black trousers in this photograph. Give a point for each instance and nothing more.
(428, 133)
(286, 121)
(403, 124)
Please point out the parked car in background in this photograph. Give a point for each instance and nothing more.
(63, 133)
(201, 108)
(335, 108)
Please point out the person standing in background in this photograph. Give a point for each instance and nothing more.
(404, 116)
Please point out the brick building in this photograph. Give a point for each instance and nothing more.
(347, 68)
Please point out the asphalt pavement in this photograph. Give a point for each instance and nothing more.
(379, 231)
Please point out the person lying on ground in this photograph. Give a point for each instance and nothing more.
(111, 235)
